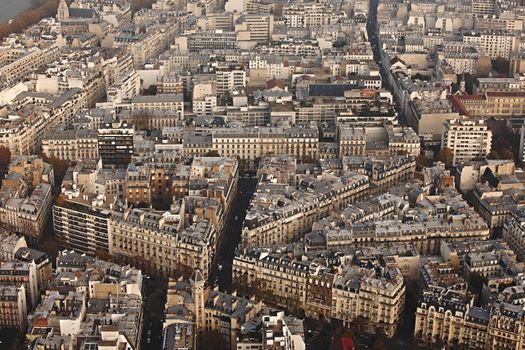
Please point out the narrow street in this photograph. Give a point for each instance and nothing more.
(222, 270)
(372, 31)
(371, 28)
(154, 300)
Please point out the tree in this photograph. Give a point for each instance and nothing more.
(501, 142)
(446, 156)
(103, 255)
(212, 153)
(151, 90)
(47, 8)
(507, 154)
(476, 282)
(5, 156)
(60, 200)
(501, 66)
(469, 83)
(212, 340)
(51, 246)
(59, 167)
(422, 161)
(380, 341)
(493, 155)
(141, 120)
(140, 4)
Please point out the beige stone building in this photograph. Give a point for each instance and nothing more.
(17, 63)
(22, 131)
(378, 298)
(159, 242)
(253, 143)
(275, 217)
(448, 317)
(357, 296)
(505, 104)
(71, 144)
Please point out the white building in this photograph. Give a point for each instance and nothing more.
(467, 138)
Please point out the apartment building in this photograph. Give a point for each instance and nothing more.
(484, 7)
(426, 117)
(450, 316)
(13, 308)
(158, 242)
(137, 188)
(381, 141)
(423, 227)
(211, 40)
(307, 15)
(506, 327)
(81, 221)
(468, 139)
(152, 103)
(495, 204)
(149, 45)
(253, 143)
(514, 232)
(376, 296)
(274, 328)
(494, 84)
(463, 62)
(249, 116)
(230, 79)
(32, 169)
(124, 88)
(494, 44)
(91, 303)
(491, 104)
(72, 145)
(347, 292)
(17, 63)
(193, 302)
(26, 214)
(10, 244)
(42, 262)
(170, 84)
(381, 173)
(306, 48)
(443, 274)
(254, 27)
(152, 119)
(23, 131)
(204, 106)
(21, 274)
(115, 144)
(275, 217)
(257, 269)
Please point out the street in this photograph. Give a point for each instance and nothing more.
(232, 233)
(154, 300)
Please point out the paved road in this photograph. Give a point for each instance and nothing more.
(154, 301)
(10, 339)
(371, 28)
(232, 234)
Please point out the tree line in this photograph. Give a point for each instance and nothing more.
(24, 20)
(46, 8)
